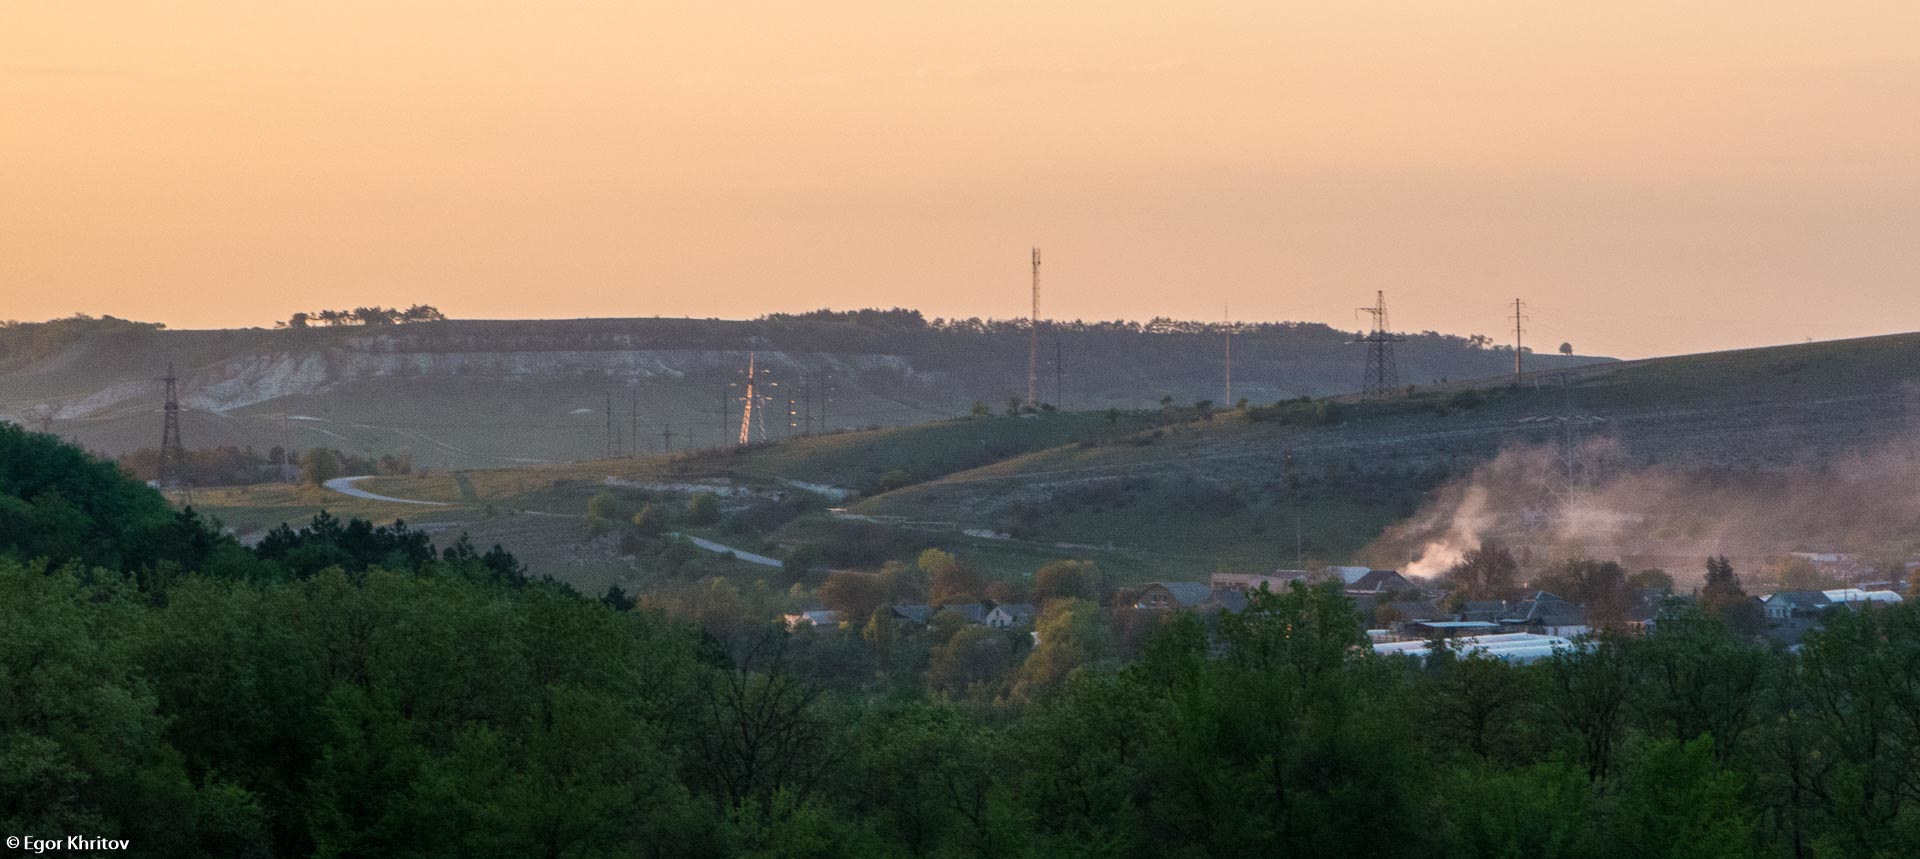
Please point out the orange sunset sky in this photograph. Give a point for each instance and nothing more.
(1653, 177)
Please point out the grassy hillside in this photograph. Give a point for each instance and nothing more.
(468, 393)
(1231, 492)
(1174, 493)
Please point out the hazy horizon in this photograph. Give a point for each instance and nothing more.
(1651, 179)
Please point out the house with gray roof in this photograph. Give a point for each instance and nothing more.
(1546, 614)
(1015, 614)
(1786, 605)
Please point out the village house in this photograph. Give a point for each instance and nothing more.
(1381, 582)
(1545, 614)
(1009, 616)
(1786, 605)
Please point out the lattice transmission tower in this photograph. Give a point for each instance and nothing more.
(1382, 376)
(173, 454)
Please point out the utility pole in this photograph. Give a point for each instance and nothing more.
(633, 418)
(726, 412)
(1033, 338)
(666, 437)
(612, 451)
(1518, 372)
(1381, 375)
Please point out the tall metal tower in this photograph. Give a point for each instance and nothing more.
(1227, 400)
(1382, 375)
(173, 454)
(1033, 339)
(1518, 371)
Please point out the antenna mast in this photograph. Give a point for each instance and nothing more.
(1033, 339)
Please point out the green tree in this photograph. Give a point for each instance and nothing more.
(974, 662)
(320, 466)
(703, 508)
(1655, 579)
(1723, 598)
(1066, 580)
(1073, 635)
(651, 521)
(1488, 572)
(853, 594)
(949, 576)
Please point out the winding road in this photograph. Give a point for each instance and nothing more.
(344, 486)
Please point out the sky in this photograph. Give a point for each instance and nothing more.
(1650, 177)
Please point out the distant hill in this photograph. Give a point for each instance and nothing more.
(466, 393)
(1750, 453)
(1655, 463)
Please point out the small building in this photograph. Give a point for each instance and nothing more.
(1786, 605)
(1425, 629)
(1009, 616)
(1481, 610)
(1347, 575)
(1546, 614)
(1852, 596)
(812, 617)
(1511, 646)
(1381, 582)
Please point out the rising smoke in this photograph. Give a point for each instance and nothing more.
(1548, 503)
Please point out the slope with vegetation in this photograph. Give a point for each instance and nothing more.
(348, 690)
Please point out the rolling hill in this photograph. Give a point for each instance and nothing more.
(468, 393)
(1654, 463)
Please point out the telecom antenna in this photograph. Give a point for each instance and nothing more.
(173, 454)
(1033, 339)
(1518, 371)
(1381, 375)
